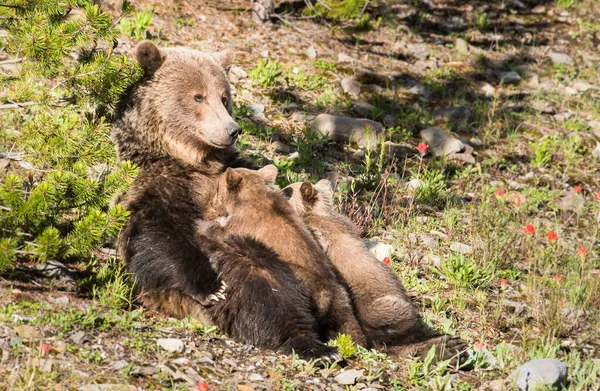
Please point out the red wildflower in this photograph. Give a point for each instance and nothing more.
(504, 283)
(582, 251)
(552, 236)
(577, 189)
(202, 386)
(559, 278)
(387, 261)
(597, 194)
(479, 346)
(478, 165)
(422, 147)
(499, 192)
(46, 348)
(529, 229)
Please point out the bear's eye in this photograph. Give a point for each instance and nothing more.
(225, 101)
(198, 98)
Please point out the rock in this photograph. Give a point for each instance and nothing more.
(517, 307)
(348, 378)
(62, 300)
(351, 87)
(534, 80)
(26, 331)
(509, 78)
(571, 91)
(171, 344)
(596, 151)
(394, 150)
(345, 59)
(543, 107)
(255, 377)
(475, 142)
(487, 89)
(560, 58)
(538, 9)
(458, 116)
(281, 147)
(571, 201)
(441, 142)
(581, 86)
(563, 116)
(78, 337)
(55, 269)
(461, 248)
(494, 385)
(363, 108)
(541, 372)
(108, 387)
(421, 90)
(347, 129)
(238, 72)
(389, 119)
(118, 365)
(258, 109)
(461, 46)
(420, 51)
(310, 52)
(380, 250)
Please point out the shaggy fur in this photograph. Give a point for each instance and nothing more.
(386, 313)
(266, 306)
(254, 207)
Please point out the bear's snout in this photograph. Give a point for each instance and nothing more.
(234, 130)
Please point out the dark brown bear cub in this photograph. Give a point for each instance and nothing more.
(265, 306)
(253, 206)
(387, 315)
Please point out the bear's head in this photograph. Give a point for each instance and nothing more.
(189, 94)
(308, 198)
(239, 187)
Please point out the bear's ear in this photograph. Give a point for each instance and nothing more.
(269, 173)
(149, 57)
(224, 58)
(308, 192)
(233, 179)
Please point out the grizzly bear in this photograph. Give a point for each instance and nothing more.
(266, 306)
(388, 317)
(251, 205)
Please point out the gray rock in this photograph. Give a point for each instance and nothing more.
(26, 331)
(281, 147)
(349, 377)
(255, 377)
(461, 248)
(258, 109)
(441, 142)
(345, 59)
(458, 116)
(78, 337)
(462, 47)
(395, 150)
(538, 9)
(560, 58)
(543, 107)
(516, 306)
(55, 269)
(380, 250)
(351, 87)
(363, 108)
(118, 365)
(238, 72)
(581, 86)
(420, 90)
(509, 77)
(546, 371)
(310, 52)
(475, 142)
(62, 300)
(347, 129)
(571, 201)
(420, 51)
(171, 344)
(487, 89)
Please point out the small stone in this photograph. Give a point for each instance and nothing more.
(560, 58)
(27, 332)
(563, 116)
(571, 201)
(347, 129)
(461, 248)
(229, 362)
(16, 341)
(542, 372)
(255, 377)
(421, 90)
(516, 306)
(62, 300)
(420, 51)
(475, 142)
(596, 151)
(462, 47)
(78, 337)
(571, 91)
(581, 86)
(345, 59)
(348, 377)
(181, 361)
(46, 365)
(441, 142)
(258, 109)
(351, 87)
(538, 9)
(310, 52)
(171, 344)
(534, 80)
(458, 116)
(108, 387)
(118, 365)
(395, 150)
(488, 90)
(380, 250)
(543, 107)
(363, 108)
(55, 269)
(238, 72)
(509, 77)
(281, 147)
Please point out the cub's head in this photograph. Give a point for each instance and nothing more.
(189, 92)
(238, 186)
(306, 197)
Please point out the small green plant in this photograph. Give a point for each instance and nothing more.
(482, 22)
(464, 272)
(565, 3)
(345, 345)
(266, 73)
(136, 27)
(431, 188)
(111, 286)
(325, 65)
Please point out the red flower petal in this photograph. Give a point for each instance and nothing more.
(529, 229)
(202, 386)
(582, 251)
(422, 147)
(552, 236)
(387, 261)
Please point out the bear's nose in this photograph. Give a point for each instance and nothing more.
(234, 130)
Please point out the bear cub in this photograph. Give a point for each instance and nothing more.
(266, 306)
(388, 317)
(248, 203)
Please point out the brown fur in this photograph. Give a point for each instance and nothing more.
(255, 207)
(387, 315)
